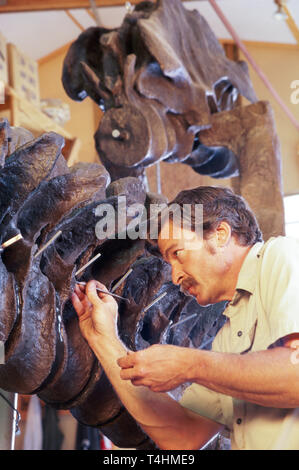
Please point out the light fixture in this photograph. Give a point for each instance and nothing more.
(280, 14)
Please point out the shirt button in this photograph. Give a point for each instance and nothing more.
(240, 333)
(239, 421)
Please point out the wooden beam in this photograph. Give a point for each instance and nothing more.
(52, 55)
(90, 13)
(271, 45)
(291, 23)
(74, 20)
(13, 6)
(274, 45)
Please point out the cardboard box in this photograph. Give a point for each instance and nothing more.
(23, 75)
(3, 60)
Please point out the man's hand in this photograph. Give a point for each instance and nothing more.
(97, 312)
(161, 368)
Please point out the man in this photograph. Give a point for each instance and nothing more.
(249, 382)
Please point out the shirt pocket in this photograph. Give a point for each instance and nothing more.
(242, 336)
(249, 338)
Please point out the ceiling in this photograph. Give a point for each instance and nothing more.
(39, 33)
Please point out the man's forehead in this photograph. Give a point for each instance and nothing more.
(175, 238)
(171, 232)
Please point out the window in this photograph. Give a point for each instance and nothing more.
(291, 205)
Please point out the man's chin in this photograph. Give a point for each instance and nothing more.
(202, 302)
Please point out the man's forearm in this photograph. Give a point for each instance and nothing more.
(108, 351)
(268, 378)
(169, 424)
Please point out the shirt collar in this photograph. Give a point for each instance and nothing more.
(247, 275)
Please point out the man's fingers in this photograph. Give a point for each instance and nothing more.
(96, 297)
(77, 304)
(135, 375)
(79, 292)
(128, 374)
(127, 361)
(92, 294)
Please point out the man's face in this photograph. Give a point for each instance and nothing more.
(198, 265)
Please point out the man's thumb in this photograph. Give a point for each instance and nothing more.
(92, 294)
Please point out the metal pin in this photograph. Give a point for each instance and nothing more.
(115, 134)
(87, 264)
(129, 7)
(154, 302)
(183, 321)
(9, 242)
(48, 243)
(104, 291)
(121, 280)
(208, 341)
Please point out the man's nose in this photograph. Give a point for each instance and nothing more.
(176, 274)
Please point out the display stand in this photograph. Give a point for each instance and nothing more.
(7, 421)
(22, 113)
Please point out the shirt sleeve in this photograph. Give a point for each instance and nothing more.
(279, 288)
(204, 402)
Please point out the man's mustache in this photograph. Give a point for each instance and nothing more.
(186, 284)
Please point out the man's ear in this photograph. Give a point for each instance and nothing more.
(223, 234)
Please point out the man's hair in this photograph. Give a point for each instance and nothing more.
(220, 204)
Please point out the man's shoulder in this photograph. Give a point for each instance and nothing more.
(280, 259)
(281, 248)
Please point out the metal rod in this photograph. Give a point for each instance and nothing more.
(158, 174)
(105, 292)
(146, 183)
(11, 241)
(48, 243)
(183, 321)
(9, 418)
(254, 64)
(89, 263)
(121, 280)
(95, 13)
(154, 302)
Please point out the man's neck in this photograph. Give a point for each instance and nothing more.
(239, 253)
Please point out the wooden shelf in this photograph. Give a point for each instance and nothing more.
(22, 113)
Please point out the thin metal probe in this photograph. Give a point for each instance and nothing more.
(9, 242)
(87, 264)
(47, 244)
(104, 291)
(183, 321)
(121, 280)
(154, 302)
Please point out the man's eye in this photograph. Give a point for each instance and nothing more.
(176, 253)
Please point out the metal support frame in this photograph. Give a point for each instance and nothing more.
(8, 421)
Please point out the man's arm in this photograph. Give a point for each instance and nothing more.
(168, 424)
(268, 378)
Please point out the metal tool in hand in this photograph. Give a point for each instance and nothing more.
(105, 292)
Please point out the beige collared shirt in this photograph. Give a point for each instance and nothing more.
(265, 308)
